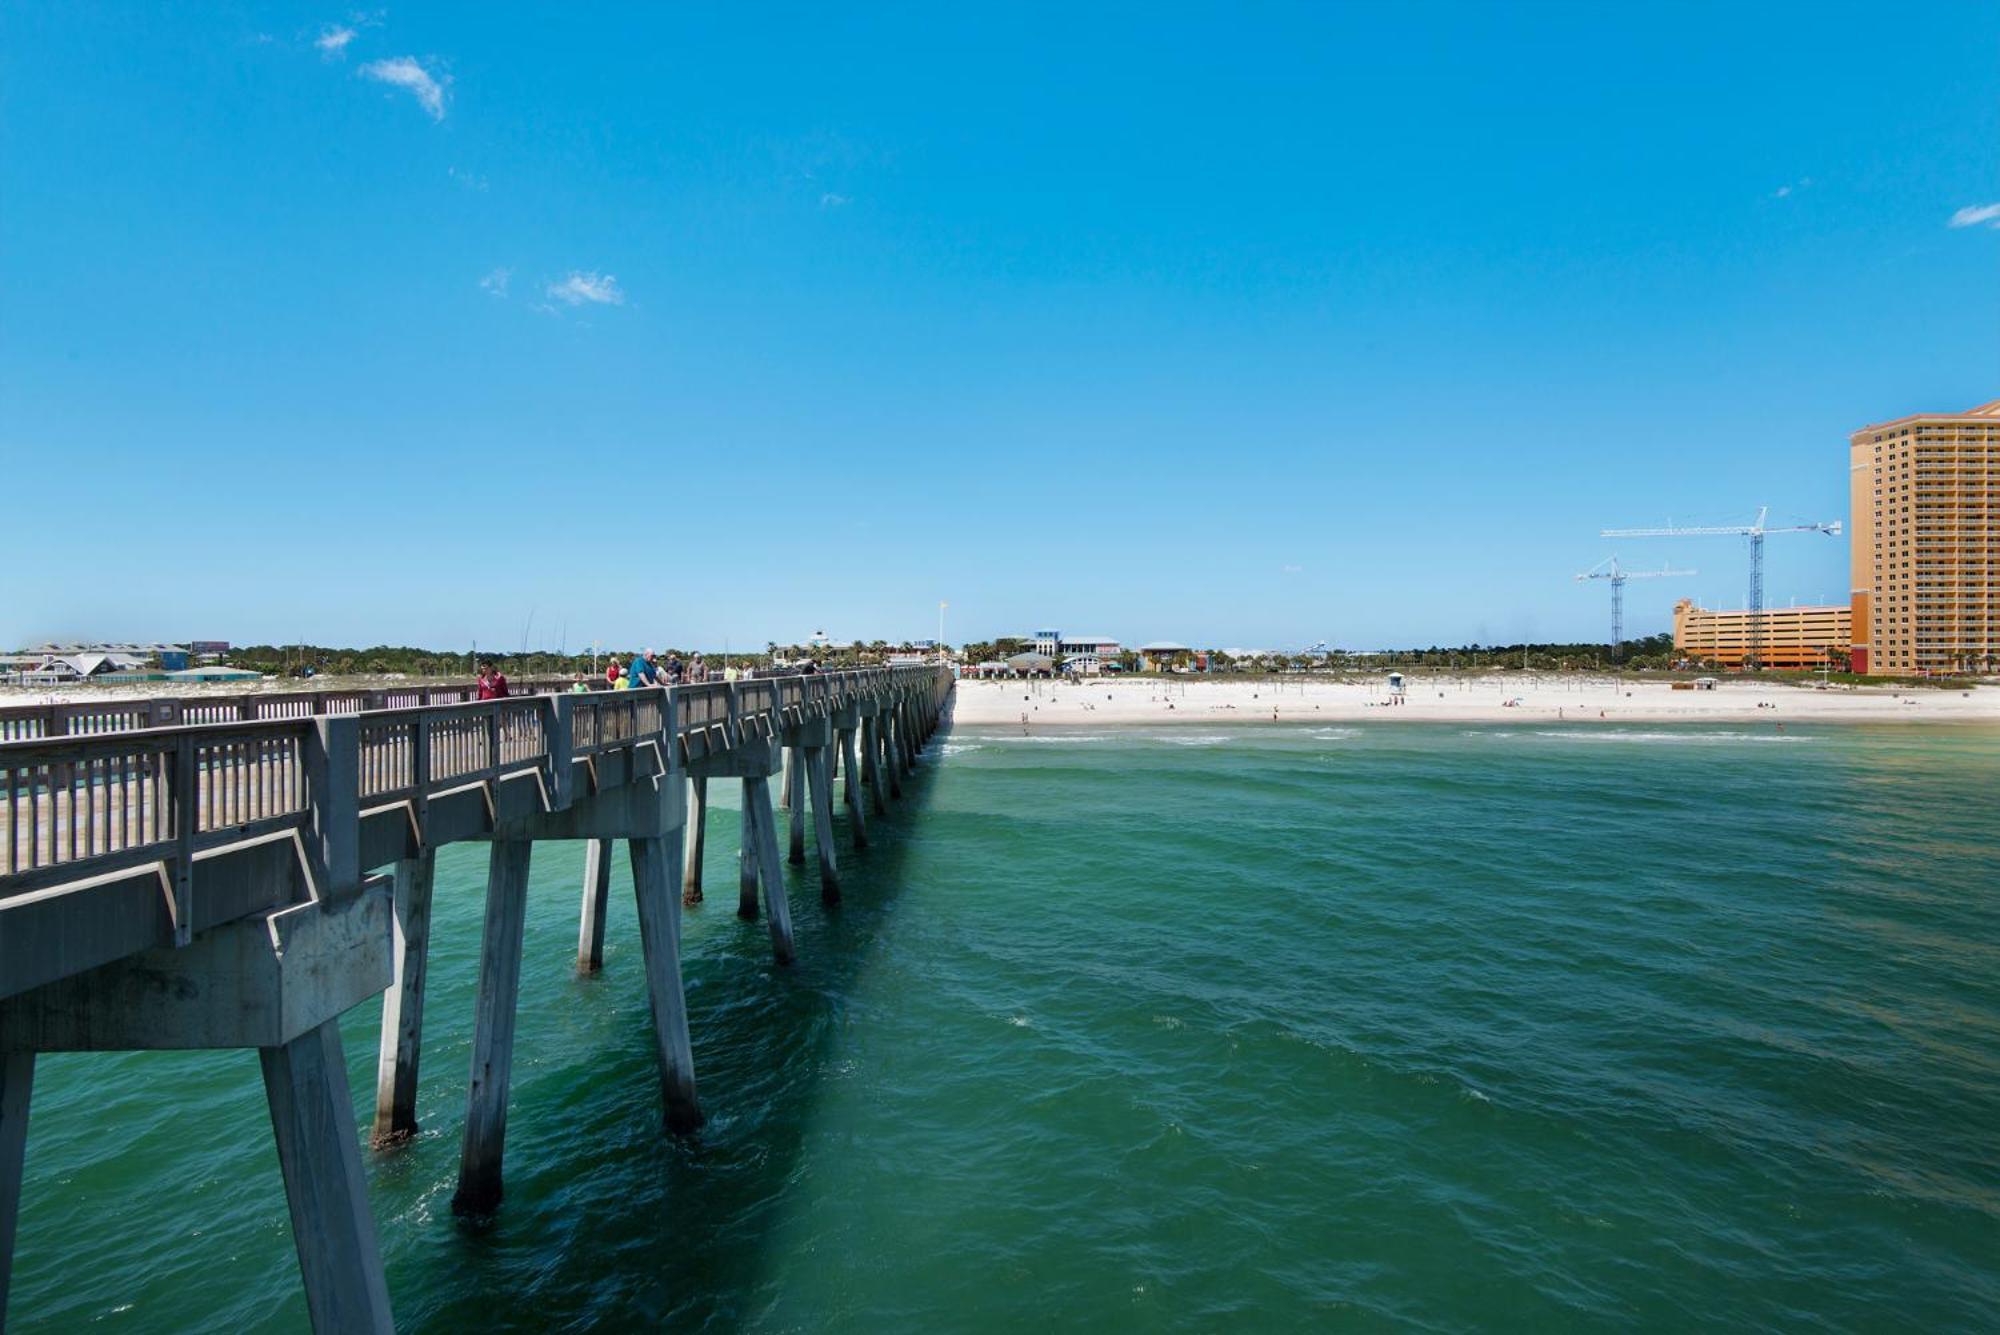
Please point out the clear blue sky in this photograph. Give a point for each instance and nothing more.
(1241, 325)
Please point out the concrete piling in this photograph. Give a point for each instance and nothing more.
(771, 867)
(479, 1186)
(403, 1003)
(857, 819)
(653, 876)
(818, 758)
(312, 1117)
(871, 762)
(892, 751)
(795, 803)
(596, 901)
(697, 838)
(746, 861)
(17, 1082)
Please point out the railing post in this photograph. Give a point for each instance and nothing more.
(562, 772)
(670, 731)
(186, 813)
(420, 776)
(333, 791)
(493, 739)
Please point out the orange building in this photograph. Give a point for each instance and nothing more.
(1926, 554)
(1794, 637)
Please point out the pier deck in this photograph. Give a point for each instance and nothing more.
(238, 872)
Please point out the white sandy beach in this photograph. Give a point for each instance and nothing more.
(1551, 697)
(1464, 699)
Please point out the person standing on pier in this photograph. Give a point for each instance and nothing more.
(645, 671)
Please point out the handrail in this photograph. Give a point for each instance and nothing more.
(81, 805)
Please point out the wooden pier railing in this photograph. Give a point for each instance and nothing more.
(92, 788)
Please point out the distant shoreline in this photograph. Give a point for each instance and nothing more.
(1546, 699)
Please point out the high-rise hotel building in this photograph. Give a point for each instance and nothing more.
(1926, 535)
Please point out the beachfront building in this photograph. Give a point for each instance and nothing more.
(1054, 644)
(1164, 656)
(1925, 491)
(1794, 637)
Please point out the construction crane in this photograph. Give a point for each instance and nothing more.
(1609, 569)
(1753, 656)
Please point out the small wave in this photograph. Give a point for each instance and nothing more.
(1020, 1022)
(1625, 735)
(1043, 737)
(1197, 741)
(956, 748)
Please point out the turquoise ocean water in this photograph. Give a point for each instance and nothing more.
(1414, 1026)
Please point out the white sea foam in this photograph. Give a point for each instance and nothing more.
(1061, 740)
(1694, 738)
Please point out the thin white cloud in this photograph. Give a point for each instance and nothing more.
(1972, 215)
(407, 73)
(830, 200)
(1793, 187)
(496, 281)
(594, 289)
(332, 42)
(470, 180)
(1290, 570)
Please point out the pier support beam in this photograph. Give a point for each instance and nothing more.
(596, 900)
(312, 1116)
(479, 1187)
(697, 839)
(892, 749)
(818, 761)
(403, 1003)
(770, 866)
(747, 855)
(17, 1082)
(795, 803)
(871, 761)
(653, 877)
(857, 819)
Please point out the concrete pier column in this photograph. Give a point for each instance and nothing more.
(771, 868)
(892, 749)
(795, 803)
(493, 1028)
(857, 819)
(820, 782)
(697, 838)
(596, 900)
(403, 1003)
(787, 755)
(312, 1117)
(653, 877)
(746, 861)
(17, 1083)
(871, 761)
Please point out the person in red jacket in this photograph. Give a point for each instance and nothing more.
(492, 683)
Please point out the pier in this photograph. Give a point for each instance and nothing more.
(237, 872)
